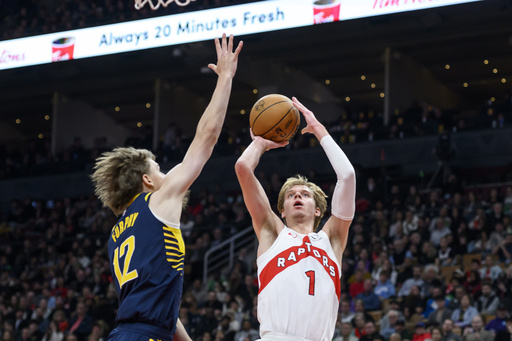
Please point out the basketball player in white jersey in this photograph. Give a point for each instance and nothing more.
(299, 270)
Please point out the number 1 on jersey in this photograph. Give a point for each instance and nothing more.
(311, 275)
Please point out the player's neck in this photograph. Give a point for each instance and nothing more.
(302, 228)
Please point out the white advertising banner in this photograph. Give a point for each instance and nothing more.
(195, 26)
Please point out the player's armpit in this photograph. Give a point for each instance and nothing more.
(337, 229)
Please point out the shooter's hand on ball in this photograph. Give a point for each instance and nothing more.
(313, 126)
(267, 144)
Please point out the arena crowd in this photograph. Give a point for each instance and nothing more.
(418, 259)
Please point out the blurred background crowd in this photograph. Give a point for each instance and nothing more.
(352, 126)
(425, 254)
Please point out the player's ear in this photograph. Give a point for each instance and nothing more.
(282, 214)
(317, 212)
(146, 181)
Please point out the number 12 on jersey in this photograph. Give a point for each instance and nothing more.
(127, 246)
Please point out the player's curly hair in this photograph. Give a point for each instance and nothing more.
(117, 176)
(318, 195)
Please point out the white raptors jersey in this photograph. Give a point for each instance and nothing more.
(299, 288)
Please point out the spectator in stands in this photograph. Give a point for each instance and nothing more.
(495, 214)
(198, 290)
(345, 314)
(416, 280)
(370, 331)
(432, 205)
(498, 323)
(507, 201)
(473, 284)
(213, 302)
(503, 287)
(440, 230)
(488, 301)
(505, 335)
(410, 223)
(379, 256)
(396, 225)
(414, 250)
(399, 252)
(489, 270)
(421, 333)
(504, 249)
(404, 272)
(401, 331)
(357, 286)
(358, 323)
(431, 304)
(463, 315)
(53, 333)
(431, 280)
(384, 288)
(437, 334)
(370, 299)
(482, 244)
(448, 334)
(81, 322)
(445, 253)
(414, 302)
(428, 253)
(458, 290)
(346, 333)
(246, 332)
(497, 236)
(390, 327)
(477, 332)
(360, 308)
(441, 313)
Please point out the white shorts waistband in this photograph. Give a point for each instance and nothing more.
(274, 336)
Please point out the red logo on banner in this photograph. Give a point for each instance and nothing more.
(62, 49)
(326, 11)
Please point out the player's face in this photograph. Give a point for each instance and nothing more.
(300, 203)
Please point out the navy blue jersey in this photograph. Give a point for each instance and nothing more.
(146, 260)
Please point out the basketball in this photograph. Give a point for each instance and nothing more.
(274, 117)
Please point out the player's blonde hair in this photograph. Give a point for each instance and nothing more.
(318, 195)
(117, 176)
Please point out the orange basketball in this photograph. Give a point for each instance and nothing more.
(274, 117)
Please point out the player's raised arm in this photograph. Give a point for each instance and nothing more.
(255, 198)
(180, 178)
(343, 199)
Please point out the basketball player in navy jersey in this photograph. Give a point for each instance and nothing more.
(146, 249)
(299, 270)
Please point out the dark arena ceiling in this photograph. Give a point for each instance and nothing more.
(461, 36)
